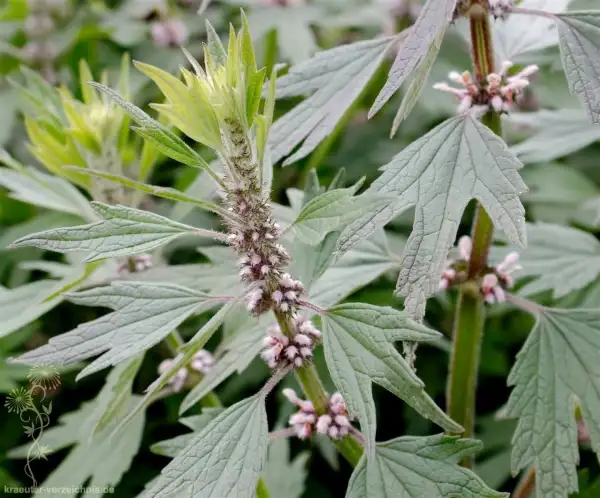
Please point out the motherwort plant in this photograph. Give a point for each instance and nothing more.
(278, 265)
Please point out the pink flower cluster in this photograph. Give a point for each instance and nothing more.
(499, 93)
(281, 350)
(169, 33)
(494, 282)
(201, 362)
(305, 422)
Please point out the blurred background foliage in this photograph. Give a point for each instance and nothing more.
(560, 149)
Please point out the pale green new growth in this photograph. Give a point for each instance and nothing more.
(359, 349)
(123, 232)
(225, 459)
(557, 368)
(165, 140)
(408, 467)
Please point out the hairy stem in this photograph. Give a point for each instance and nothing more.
(308, 378)
(470, 312)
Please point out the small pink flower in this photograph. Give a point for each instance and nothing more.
(177, 381)
(202, 361)
(169, 33)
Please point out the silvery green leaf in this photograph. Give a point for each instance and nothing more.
(149, 129)
(24, 304)
(115, 396)
(309, 262)
(285, 477)
(34, 187)
(337, 77)
(563, 259)
(579, 38)
(332, 210)
(181, 360)
(412, 466)
(517, 36)
(94, 461)
(295, 38)
(439, 174)
(224, 459)
(588, 214)
(433, 19)
(557, 367)
(557, 133)
(365, 262)
(421, 73)
(123, 232)
(556, 192)
(171, 447)
(144, 315)
(359, 350)
(234, 355)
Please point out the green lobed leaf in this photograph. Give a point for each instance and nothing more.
(123, 232)
(439, 174)
(224, 459)
(181, 360)
(579, 39)
(144, 315)
(171, 447)
(337, 77)
(522, 37)
(94, 461)
(331, 211)
(433, 19)
(285, 477)
(557, 367)
(563, 259)
(419, 79)
(411, 466)
(364, 263)
(359, 350)
(24, 304)
(115, 396)
(557, 134)
(556, 192)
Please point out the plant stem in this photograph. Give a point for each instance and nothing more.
(464, 363)
(308, 378)
(470, 312)
(526, 485)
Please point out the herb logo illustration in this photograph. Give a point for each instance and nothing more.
(34, 410)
